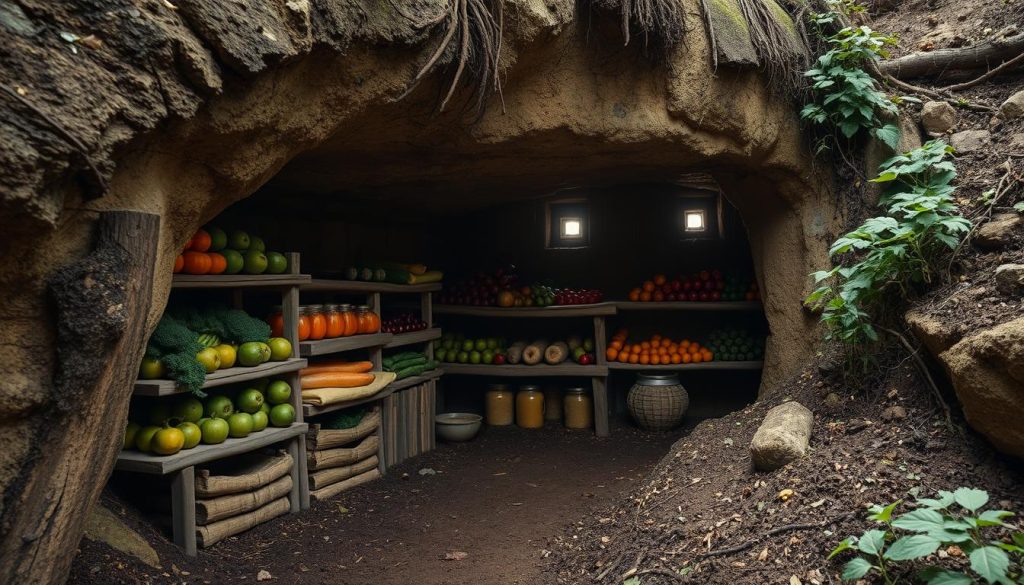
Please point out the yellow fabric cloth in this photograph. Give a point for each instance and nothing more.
(325, 396)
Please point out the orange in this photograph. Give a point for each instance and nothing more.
(686, 358)
(706, 355)
(645, 344)
(676, 358)
(645, 359)
(656, 337)
(179, 264)
(611, 354)
(634, 295)
(645, 296)
(655, 360)
(633, 358)
(659, 279)
(615, 344)
(218, 263)
(623, 357)
(197, 262)
(697, 358)
(648, 286)
(201, 241)
(694, 349)
(658, 296)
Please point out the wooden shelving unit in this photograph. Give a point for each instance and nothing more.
(341, 344)
(314, 410)
(403, 339)
(554, 311)
(690, 306)
(704, 366)
(362, 287)
(181, 465)
(521, 371)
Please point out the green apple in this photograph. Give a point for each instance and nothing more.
(257, 244)
(239, 240)
(439, 354)
(214, 430)
(282, 415)
(193, 434)
(188, 410)
(260, 420)
(218, 241)
(278, 392)
(468, 345)
(255, 262)
(240, 425)
(487, 356)
(144, 438)
(277, 263)
(219, 407)
(480, 345)
(249, 400)
(463, 357)
(474, 357)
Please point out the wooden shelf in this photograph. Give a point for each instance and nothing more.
(339, 344)
(592, 310)
(220, 377)
(424, 336)
(182, 281)
(149, 463)
(363, 287)
(690, 306)
(521, 371)
(314, 410)
(719, 366)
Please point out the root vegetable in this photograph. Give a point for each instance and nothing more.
(534, 353)
(556, 353)
(515, 352)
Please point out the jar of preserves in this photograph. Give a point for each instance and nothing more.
(579, 409)
(276, 321)
(317, 322)
(335, 325)
(369, 322)
(530, 407)
(552, 403)
(350, 323)
(499, 409)
(304, 323)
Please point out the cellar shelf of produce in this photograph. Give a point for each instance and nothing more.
(520, 371)
(689, 306)
(341, 344)
(721, 366)
(224, 377)
(414, 337)
(367, 287)
(552, 311)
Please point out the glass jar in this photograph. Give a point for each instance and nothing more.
(317, 322)
(499, 406)
(349, 321)
(579, 409)
(369, 322)
(276, 321)
(552, 403)
(304, 323)
(335, 325)
(530, 407)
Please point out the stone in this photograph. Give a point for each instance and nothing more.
(1013, 107)
(999, 231)
(987, 372)
(783, 436)
(106, 527)
(936, 334)
(894, 413)
(833, 400)
(970, 140)
(937, 118)
(1010, 278)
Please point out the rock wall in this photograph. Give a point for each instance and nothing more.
(182, 107)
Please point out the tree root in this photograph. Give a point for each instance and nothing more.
(923, 368)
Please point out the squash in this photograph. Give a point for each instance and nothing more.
(556, 353)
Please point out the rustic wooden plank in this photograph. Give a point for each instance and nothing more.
(221, 377)
(555, 311)
(149, 463)
(714, 366)
(340, 344)
(521, 371)
(294, 496)
(183, 509)
(600, 388)
(690, 306)
(600, 340)
(416, 380)
(194, 281)
(358, 286)
(402, 339)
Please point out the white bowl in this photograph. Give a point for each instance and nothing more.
(457, 427)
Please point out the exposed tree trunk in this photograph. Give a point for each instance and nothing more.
(983, 56)
(101, 303)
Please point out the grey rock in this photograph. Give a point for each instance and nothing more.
(999, 231)
(783, 436)
(105, 526)
(1010, 278)
(937, 118)
(1013, 107)
(970, 140)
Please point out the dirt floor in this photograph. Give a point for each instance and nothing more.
(500, 499)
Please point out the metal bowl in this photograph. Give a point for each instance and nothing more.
(457, 427)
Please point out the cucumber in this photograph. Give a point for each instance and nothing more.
(413, 361)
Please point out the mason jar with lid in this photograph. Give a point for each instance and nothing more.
(579, 409)
(317, 322)
(335, 325)
(349, 320)
(499, 406)
(530, 407)
(369, 322)
(304, 323)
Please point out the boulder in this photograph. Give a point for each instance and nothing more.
(937, 335)
(937, 118)
(783, 436)
(999, 231)
(1010, 279)
(1013, 107)
(105, 526)
(987, 371)
(970, 140)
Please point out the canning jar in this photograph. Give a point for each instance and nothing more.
(552, 403)
(276, 321)
(335, 325)
(317, 322)
(304, 323)
(350, 323)
(499, 406)
(369, 322)
(530, 407)
(579, 409)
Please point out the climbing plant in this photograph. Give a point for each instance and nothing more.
(896, 252)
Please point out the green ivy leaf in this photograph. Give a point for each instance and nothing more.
(920, 520)
(970, 498)
(912, 547)
(990, 562)
(856, 568)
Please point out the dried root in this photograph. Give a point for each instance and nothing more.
(662, 22)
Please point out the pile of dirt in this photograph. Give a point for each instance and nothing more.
(705, 516)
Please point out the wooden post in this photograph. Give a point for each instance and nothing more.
(376, 353)
(600, 386)
(427, 315)
(297, 473)
(183, 509)
(600, 340)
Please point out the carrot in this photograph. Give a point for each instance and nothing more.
(337, 366)
(336, 380)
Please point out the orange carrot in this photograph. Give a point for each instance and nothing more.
(337, 366)
(336, 380)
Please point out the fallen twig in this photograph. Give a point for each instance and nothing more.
(664, 573)
(923, 368)
(1005, 66)
(781, 529)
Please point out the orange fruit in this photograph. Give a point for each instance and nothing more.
(179, 264)
(218, 263)
(645, 296)
(201, 241)
(655, 360)
(645, 344)
(633, 358)
(706, 355)
(634, 295)
(197, 262)
(648, 286)
(623, 357)
(675, 358)
(645, 359)
(658, 296)
(659, 279)
(697, 358)
(611, 354)
(687, 358)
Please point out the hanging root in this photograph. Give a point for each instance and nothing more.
(782, 59)
(471, 44)
(662, 22)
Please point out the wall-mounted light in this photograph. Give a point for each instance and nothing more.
(572, 228)
(695, 221)
(567, 223)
